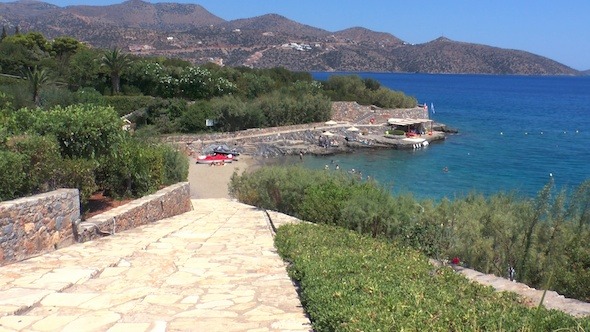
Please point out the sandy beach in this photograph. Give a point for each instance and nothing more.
(208, 181)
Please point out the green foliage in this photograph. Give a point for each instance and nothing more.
(84, 70)
(78, 173)
(175, 165)
(127, 104)
(89, 96)
(65, 46)
(194, 118)
(354, 283)
(53, 96)
(32, 41)
(42, 159)
(545, 239)
(231, 112)
(5, 101)
(12, 174)
(14, 57)
(82, 130)
(115, 61)
(36, 79)
(365, 92)
(199, 83)
(132, 169)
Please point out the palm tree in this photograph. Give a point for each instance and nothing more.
(37, 79)
(116, 62)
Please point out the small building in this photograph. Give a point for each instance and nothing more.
(412, 127)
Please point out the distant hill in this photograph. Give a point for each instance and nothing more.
(191, 32)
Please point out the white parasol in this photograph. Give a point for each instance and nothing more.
(328, 133)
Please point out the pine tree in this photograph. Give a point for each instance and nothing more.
(4, 33)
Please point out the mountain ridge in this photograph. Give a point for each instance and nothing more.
(191, 32)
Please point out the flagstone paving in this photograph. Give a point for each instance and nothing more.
(211, 269)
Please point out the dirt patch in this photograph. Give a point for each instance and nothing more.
(98, 203)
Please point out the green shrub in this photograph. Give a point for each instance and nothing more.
(175, 165)
(275, 188)
(354, 283)
(89, 96)
(42, 160)
(134, 169)
(53, 96)
(13, 176)
(84, 131)
(194, 118)
(127, 104)
(78, 173)
(546, 239)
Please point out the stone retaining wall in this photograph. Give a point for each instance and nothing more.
(168, 202)
(37, 224)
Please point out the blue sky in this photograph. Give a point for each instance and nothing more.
(559, 30)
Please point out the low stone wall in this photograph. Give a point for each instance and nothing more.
(168, 202)
(37, 224)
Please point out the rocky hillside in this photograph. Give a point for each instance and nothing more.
(191, 32)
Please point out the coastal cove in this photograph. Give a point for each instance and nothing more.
(514, 133)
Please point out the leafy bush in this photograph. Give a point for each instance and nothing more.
(175, 165)
(133, 169)
(42, 159)
(78, 173)
(12, 174)
(354, 283)
(81, 130)
(127, 104)
(53, 96)
(89, 96)
(365, 92)
(194, 118)
(547, 240)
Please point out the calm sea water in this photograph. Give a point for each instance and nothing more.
(514, 132)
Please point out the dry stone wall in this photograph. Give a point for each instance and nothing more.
(37, 224)
(41, 223)
(168, 202)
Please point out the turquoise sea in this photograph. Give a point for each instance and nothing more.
(515, 132)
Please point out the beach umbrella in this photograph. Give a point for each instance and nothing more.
(331, 122)
(327, 133)
(352, 129)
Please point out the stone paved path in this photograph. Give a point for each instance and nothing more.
(211, 269)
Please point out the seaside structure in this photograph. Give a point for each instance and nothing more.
(352, 127)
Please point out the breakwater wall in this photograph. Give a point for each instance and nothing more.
(42, 223)
(37, 224)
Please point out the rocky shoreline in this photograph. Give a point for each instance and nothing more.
(352, 127)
